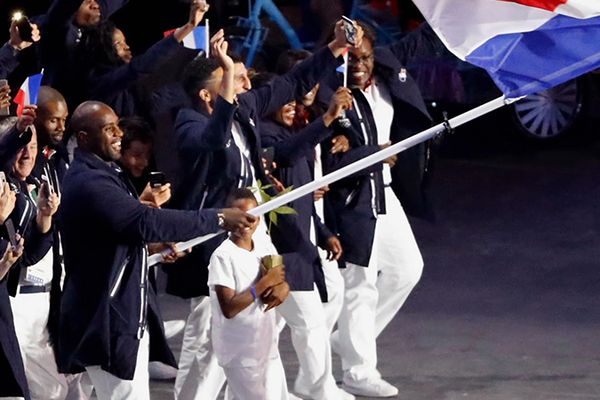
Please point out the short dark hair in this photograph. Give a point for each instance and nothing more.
(368, 32)
(197, 73)
(289, 58)
(240, 194)
(262, 79)
(135, 129)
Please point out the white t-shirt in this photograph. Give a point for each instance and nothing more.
(250, 338)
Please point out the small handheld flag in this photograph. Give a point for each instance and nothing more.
(28, 93)
(343, 69)
(198, 39)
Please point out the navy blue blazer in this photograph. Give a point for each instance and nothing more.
(105, 229)
(14, 383)
(350, 198)
(116, 86)
(212, 166)
(8, 60)
(294, 154)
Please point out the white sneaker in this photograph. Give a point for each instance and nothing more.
(339, 395)
(373, 387)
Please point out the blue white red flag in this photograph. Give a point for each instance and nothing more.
(525, 45)
(198, 39)
(28, 93)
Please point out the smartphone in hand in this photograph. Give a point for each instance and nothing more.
(157, 179)
(6, 109)
(349, 30)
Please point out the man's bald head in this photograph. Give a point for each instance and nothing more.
(95, 125)
(51, 119)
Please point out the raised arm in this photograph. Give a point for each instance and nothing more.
(301, 79)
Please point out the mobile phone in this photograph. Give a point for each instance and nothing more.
(25, 30)
(349, 30)
(4, 110)
(49, 190)
(157, 179)
(10, 230)
(2, 182)
(268, 154)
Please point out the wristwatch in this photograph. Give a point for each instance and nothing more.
(221, 219)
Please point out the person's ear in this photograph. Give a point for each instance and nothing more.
(82, 138)
(204, 95)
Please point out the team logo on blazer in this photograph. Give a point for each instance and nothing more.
(402, 75)
(228, 143)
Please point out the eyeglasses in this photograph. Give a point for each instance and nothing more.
(363, 59)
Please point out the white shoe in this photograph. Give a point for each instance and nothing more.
(172, 328)
(339, 395)
(373, 387)
(160, 371)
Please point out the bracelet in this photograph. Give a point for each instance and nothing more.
(253, 291)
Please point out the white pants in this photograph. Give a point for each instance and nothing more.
(263, 382)
(199, 376)
(373, 295)
(109, 387)
(30, 315)
(334, 282)
(303, 312)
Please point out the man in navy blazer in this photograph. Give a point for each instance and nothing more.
(220, 150)
(383, 261)
(108, 310)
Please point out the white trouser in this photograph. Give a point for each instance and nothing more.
(334, 281)
(109, 387)
(30, 315)
(199, 376)
(263, 382)
(303, 312)
(373, 295)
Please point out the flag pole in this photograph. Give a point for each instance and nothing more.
(351, 169)
(207, 38)
(346, 68)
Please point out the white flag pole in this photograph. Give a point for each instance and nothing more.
(207, 38)
(346, 68)
(351, 169)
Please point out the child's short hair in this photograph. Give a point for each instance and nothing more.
(240, 194)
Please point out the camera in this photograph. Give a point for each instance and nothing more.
(349, 30)
(24, 26)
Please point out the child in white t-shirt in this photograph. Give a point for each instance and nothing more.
(244, 332)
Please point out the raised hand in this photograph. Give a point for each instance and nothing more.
(7, 202)
(340, 101)
(27, 117)
(197, 10)
(15, 38)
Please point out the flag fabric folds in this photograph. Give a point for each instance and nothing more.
(525, 45)
(28, 93)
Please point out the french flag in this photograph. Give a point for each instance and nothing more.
(198, 39)
(343, 69)
(525, 45)
(28, 93)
